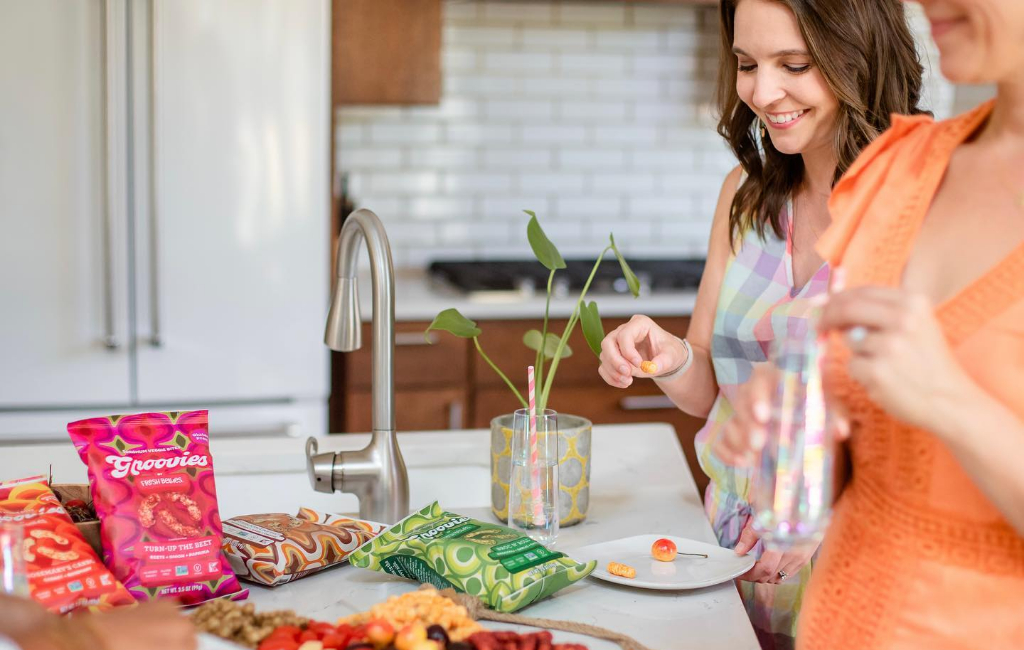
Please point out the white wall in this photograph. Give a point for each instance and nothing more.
(595, 115)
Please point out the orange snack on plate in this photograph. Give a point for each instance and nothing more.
(622, 570)
(64, 573)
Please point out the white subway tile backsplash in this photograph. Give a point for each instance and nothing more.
(628, 88)
(440, 208)
(554, 134)
(511, 206)
(589, 13)
(555, 38)
(674, 66)
(461, 11)
(389, 133)
(594, 64)
(518, 12)
(478, 133)
(675, 16)
(505, 62)
(552, 182)
(461, 85)
(588, 207)
(591, 159)
(532, 158)
(350, 134)
(556, 87)
(622, 183)
(459, 60)
(469, 183)
(479, 35)
(593, 111)
(441, 157)
(517, 110)
(629, 41)
(402, 182)
(626, 135)
(361, 158)
(467, 232)
(652, 208)
(597, 115)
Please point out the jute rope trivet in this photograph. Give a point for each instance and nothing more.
(478, 611)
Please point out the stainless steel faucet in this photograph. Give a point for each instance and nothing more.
(376, 474)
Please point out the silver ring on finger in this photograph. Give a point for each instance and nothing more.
(855, 336)
(782, 576)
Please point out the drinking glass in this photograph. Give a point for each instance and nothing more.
(792, 495)
(13, 570)
(533, 483)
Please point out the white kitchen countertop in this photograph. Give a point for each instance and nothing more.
(419, 297)
(640, 484)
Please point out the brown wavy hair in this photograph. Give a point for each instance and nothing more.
(865, 52)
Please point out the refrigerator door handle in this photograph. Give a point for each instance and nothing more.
(110, 339)
(155, 334)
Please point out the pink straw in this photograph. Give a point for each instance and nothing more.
(538, 507)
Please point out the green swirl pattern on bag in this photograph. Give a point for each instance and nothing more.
(496, 564)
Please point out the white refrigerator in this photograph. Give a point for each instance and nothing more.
(164, 219)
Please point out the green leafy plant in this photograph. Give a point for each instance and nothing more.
(548, 347)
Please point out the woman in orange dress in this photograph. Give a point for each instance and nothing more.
(926, 547)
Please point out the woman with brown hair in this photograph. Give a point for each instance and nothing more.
(804, 86)
(926, 546)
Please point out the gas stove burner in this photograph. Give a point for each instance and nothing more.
(530, 276)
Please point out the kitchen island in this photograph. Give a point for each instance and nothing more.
(640, 484)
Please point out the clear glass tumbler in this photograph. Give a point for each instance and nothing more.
(533, 483)
(13, 570)
(792, 491)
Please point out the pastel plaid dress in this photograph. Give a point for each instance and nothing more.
(756, 304)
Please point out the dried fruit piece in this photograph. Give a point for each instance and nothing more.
(649, 367)
(622, 570)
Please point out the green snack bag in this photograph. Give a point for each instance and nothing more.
(496, 564)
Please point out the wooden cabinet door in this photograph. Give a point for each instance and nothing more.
(415, 409)
(386, 51)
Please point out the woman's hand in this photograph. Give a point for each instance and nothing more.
(157, 625)
(628, 345)
(773, 566)
(899, 352)
(744, 434)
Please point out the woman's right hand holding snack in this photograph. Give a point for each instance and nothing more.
(640, 341)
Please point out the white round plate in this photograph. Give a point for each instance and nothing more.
(685, 572)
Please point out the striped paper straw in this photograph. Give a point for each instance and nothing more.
(538, 506)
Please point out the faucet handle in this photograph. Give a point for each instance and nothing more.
(319, 467)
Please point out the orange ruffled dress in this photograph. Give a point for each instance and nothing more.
(916, 556)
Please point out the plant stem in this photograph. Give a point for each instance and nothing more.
(568, 329)
(515, 390)
(544, 340)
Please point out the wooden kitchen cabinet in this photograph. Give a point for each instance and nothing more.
(448, 385)
(386, 52)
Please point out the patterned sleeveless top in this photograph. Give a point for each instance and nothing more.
(756, 304)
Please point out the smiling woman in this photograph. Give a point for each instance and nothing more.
(822, 78)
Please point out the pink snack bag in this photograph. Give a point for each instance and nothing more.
(151, 478)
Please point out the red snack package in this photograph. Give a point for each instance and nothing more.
(64, 573)
(151, 477)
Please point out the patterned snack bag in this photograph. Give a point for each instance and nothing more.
(276, 548)
(506, 570)
(64, 573)
(151, 477)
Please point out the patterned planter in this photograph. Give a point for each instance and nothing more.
(573, 467)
